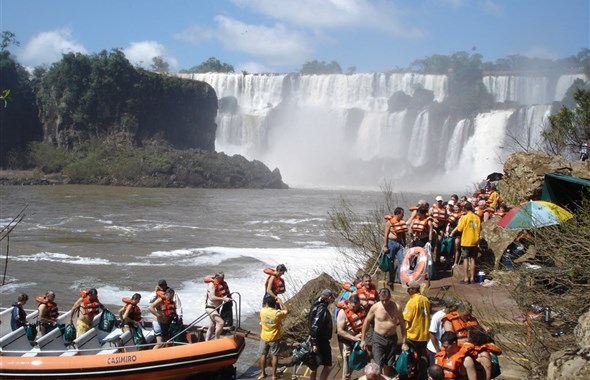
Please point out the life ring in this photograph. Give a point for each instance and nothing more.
(419, 272)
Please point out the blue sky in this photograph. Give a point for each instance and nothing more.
(281, 35)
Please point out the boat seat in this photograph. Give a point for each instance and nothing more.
(52, 341)
(15, 341)
(113, 341)
(81, 345)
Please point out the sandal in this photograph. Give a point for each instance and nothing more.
(261, 377)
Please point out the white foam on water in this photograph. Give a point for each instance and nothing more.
(61, 258)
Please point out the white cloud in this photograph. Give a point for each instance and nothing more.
(276, 45)
(48, 47)
(142, 53)
(540, 52)
(336, 14)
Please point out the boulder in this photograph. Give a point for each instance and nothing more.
(524, 174)
(497, 238)
(296, 325)
(573, 363)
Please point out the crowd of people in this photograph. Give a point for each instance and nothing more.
(449, 344)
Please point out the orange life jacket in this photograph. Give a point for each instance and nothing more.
(439, 214)
(135, 310)
(221, 288)
(500, 213)
(368, 297)
(460, 326)
(488, 347)
(452, 365)
(399, 227)
(355, 320)
(88, 306)
(169, 308)
(454, 217)
(388, 217)
(52, 310)
(419, 226)
(278, 284)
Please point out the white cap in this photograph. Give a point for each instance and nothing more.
(451, 202)
(439, 198)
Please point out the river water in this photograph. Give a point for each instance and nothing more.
(122, 240)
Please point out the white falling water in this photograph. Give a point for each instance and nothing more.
(337, 130)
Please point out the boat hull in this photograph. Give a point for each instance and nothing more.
(166, 363)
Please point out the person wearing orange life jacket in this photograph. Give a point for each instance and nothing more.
(164, 309)
(455, 360)
(453, 220)
(159, 292)
(87, 307)
(438, 213)
(217, 294)
(394, 241)
(458, 321)
(482, 350)
(349, 324)
(48, 313)
(421, 228)
(367, 292)
(130, 313)
(275, 284)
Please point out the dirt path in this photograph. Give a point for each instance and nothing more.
(492, 305)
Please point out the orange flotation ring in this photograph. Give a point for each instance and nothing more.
(419, 271)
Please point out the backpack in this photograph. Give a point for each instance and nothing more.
(358, 357)
(385, 263)
(496, 371)
(407, 362)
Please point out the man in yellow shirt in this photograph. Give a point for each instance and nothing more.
(470, 227)
(417, 316)
(271, 320)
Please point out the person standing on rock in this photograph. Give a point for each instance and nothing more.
(417, 316)
(320, 332)
(271, 321)
(349, 323)
(470, 228)
(394, 241)
(387, 316)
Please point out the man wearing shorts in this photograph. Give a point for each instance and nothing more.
(320, 332)
(387, 316)
(470, 228)
(270, 336)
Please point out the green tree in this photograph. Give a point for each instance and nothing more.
(8, 38)
(569, 128)
(317, 67)
(159, 65)
(212, 65)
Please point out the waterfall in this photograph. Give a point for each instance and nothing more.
(348, 130)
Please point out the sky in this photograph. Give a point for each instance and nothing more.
(280, 36)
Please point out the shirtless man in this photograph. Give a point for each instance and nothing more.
(87, 307)
(349, 323)
(164, 309)
(388, 316)
(48, 313)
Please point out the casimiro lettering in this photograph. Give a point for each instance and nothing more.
(122, 359)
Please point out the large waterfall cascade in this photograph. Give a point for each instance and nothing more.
(337, 130)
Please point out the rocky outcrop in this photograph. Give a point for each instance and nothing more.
(497, 238)
(574, 363)
(524, 174)
(296, 325)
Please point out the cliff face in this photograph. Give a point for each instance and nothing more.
(524, 174)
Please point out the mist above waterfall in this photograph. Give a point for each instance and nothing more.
(347, 130)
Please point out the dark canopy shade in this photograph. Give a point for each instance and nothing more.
(564, 190)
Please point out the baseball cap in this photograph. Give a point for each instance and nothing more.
(451, 202)
(162, 283)
(327, 293)
(438, 198)
(414, 285)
